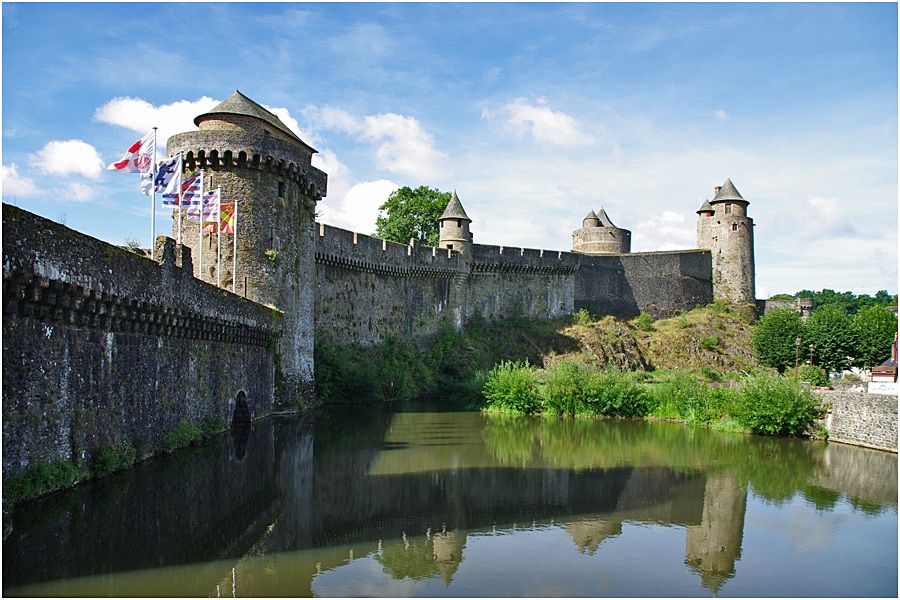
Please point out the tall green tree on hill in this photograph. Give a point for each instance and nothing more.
(774, 338)
(833, 336)
(411, 214)
(875, 329)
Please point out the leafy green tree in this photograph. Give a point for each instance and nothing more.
(875, 329)
(773, 338)
(833, 336)
(412, 213)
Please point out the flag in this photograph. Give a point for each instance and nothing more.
(167, 177)
(138, 158)
(190, 191)
(209, 209)
(226, 218)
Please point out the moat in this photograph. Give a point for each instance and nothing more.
(417, 502)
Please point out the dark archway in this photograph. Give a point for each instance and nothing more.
(242, 414)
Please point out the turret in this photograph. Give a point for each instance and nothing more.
(724, 228)
(254, 158)
(598, 235)
(453, 228)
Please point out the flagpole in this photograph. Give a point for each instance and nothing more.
(219, 237)
(153, 200)
(234, 251)
(180, 193)
(201, 226)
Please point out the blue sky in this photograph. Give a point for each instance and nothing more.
(534, 113)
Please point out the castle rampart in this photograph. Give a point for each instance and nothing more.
(103, 347)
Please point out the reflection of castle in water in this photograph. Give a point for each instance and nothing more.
(306, 506)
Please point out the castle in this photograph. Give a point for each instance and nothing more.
(356, 289)
(103, 346)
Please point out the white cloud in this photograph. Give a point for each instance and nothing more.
(403, 145)
(292, 124)
(547, 126)
(349, 205)
(830, 218)
(76, 192)
(140, 116)
(666, 231)
(720, 114)
(67, 157)
(15, 184)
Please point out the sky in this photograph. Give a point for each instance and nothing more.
(534, 113)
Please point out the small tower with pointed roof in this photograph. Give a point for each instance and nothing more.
(598, 235)
(248, 152)
(453, 229)
(724, 229)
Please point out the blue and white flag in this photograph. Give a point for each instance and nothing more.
(168, 175)
(190, 192)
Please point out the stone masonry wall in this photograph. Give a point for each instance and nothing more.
(862, 419)
(368, 289)
(102, 346)
(658, 283)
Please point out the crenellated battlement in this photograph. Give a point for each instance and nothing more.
(525, 260)
(350, 250)
(230, 150)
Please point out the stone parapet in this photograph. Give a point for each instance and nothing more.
(861, 419)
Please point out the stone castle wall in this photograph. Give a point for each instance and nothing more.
(368, 289)
(102, 346)
(862, 419)
(658, 283)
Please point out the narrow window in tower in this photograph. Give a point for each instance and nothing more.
(442, 224)
(727, 209)
(281, 189)
(459, 222)
(450, 246)
(734, 226)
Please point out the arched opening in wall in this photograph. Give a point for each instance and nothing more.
(242, 414)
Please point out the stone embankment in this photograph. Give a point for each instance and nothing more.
(861, 419)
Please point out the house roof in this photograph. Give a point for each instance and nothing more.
(455, 209)
(239, 104)
(604, 219)
(728, 193)
(705, 207)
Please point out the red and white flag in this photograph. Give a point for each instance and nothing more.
(138, 158)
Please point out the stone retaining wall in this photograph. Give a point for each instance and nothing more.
(862, 419)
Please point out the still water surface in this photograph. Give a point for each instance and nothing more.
(414, 502)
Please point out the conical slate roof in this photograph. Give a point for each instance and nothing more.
(455, 210)
(604, 219)
(590, 215)
(239, 104)
(705, 207)
(728, 192)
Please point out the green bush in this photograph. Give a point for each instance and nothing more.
(813, 375)
(41, 478)
(875, 328)
(833, 336)
(774, 405)
(644, 322)
(181, 435)
(513, 387)
(581, 316)
(711, 342)
(612, 393)
(114, 458)
(681, 396)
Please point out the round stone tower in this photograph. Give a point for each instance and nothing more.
(724, 228)
(255, 159)
(453, 229)
(598, 235)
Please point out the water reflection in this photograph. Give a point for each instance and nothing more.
(412, 497)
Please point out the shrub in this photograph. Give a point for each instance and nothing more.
(774, 338)
(711, 342)
(612, 393)
(773, 405)
(181, 435)
(41, 478)
(118, 456)
(681, 396)
(710, 374)
(581, 316)
(513, 387)
(812, 374)
(644, 322)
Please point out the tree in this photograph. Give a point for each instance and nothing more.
(774, 338)
(831, 332)
(411, 214)
(875, 328)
